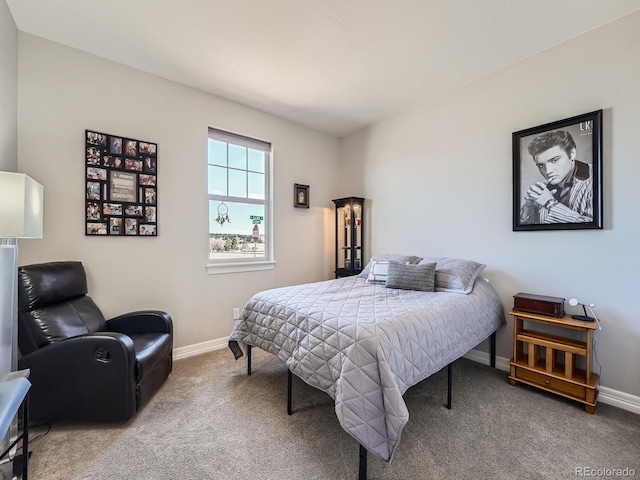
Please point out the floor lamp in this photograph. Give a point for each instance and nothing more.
(21, 216)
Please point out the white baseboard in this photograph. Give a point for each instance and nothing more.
(619, 399)
(199, 348)
(607, 395)
(485, 359)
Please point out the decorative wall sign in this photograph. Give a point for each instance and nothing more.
(557, 175)
(121, 185)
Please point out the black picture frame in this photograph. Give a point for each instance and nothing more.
(121, 183)
(300, 195)
(557, 175)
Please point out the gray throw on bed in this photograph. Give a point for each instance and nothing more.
(365, 344)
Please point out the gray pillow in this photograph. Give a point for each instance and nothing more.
(455, 275)
(420, 277)
(385, 257)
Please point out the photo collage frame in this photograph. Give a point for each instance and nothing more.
(121, 186)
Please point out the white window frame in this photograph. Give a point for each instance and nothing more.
(236, 265)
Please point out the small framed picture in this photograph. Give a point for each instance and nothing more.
(133, 210)
(146, 229)
(300, 195)
(147, 179)
(149, 165)
(94, 173)
(148, 149)
(131, 148)
(115, 226)
(150, 196)
(95, 228)
(134, 165)
(95, 138)
(112, 209)
(150, 214)
(93, 156)
(115, 145)
(93, 211)
(93, 190)
(557, 175)
(131, 226)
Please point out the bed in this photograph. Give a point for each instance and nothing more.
(365, 343)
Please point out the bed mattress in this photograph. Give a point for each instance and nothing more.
(365, 344)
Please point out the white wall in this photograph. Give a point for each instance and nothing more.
(437, 179)
(8, 90)
(63, 91)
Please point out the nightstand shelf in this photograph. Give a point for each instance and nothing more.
(548, 361)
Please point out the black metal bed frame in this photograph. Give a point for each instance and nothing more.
(362, 463)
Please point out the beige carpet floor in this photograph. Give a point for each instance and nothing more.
(211, 421)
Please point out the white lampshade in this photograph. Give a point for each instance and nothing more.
(21, 206)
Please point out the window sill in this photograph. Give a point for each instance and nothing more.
(221, 268)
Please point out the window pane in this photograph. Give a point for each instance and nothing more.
(256, 161)
(232, 231)
(217, 153)
(237, 157)
(256, 186)
(237, 183)
(217, 180)
(238, 172)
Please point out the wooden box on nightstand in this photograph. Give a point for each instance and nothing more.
(547, 372)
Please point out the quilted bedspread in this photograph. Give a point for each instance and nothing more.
(365, 344)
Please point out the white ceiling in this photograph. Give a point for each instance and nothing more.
(333, 65)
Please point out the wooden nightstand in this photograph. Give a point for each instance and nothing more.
(538, 364)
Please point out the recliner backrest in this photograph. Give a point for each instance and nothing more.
(53, 305)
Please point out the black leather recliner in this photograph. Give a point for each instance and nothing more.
(84, 367)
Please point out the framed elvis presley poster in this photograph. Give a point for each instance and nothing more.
(121, 186)
(557, 175)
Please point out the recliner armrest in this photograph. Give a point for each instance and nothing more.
(142, 321)
(89, 377)
(78, 353)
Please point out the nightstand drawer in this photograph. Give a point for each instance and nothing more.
(551, 383)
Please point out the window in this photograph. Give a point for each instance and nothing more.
(240, 233)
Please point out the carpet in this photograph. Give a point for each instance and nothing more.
(211, 421)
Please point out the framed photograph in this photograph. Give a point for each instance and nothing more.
(93, 156)
(131, 226)
(121, 182)
(94, 228)
(557, 175)
(131, 148)
(133, 210)
(115, 144)
(300, 195)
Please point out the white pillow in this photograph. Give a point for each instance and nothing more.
(378, 272)
(385, 257)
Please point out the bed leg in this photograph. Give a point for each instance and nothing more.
(493, 350)
(289, 382)
(449, 379)
(248, 359)
(362, 467)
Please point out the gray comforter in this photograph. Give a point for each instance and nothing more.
(365, 344)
